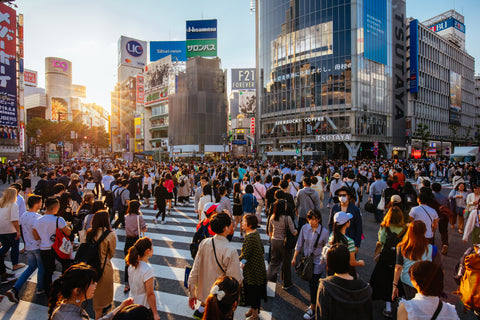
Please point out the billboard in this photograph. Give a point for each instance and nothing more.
(243, 79)
(247, 102)
(8, 78)
(201, 29)
(140, 91)
(157, 81)
(79, 91)
(202, 48)
(455, 91)
(413, 56)
(161, 49)
(58, 65)
(30, 78)
(132, 52)
(59, 109)
(448, 23)
(375, 30)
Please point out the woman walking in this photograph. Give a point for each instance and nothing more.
(170, 186)
(161, 197)
(237, 207)
(254, 273)
(458, 200)
(134, 226)
(146, 188)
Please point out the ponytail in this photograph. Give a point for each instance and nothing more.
(55, 296)
(137, 251)
(223, 299)
(338, 236)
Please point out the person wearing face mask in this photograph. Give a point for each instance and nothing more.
(355, 230)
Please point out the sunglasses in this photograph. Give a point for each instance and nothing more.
(342, 195)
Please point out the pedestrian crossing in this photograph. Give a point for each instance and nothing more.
(171, 255)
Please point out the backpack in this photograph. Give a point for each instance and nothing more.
(469, 289)
(117, 201)
(108, 199)
(201, 234)
(182, 182)
(388, 254)
(351, 190)
(89, 252)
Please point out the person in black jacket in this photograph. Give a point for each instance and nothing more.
(341, 296)
(161, 195)
(51, 182)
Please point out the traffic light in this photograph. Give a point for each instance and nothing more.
(85, 137)
(297, 150)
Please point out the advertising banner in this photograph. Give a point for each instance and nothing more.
(202, 48)
(413, 56)
(79, 91)
(201, 29)
(252, 126)
(138, 127)
(157, 81)
(375, 30)
(449, 23)
(399, 71)
(127, 142)
(8, 79)
(30, 78)
(243, 79)
(59, 109)
(455, 92)
(132, 52)
(140, 89)
(247, 102)
(161, 49)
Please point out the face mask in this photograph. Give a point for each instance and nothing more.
(343, 199)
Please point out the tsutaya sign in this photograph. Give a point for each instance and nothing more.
(290, 121)
(334, 137)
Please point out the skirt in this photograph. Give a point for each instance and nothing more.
(146, 193)
(253, 294)
(237, 210)
(169, 196)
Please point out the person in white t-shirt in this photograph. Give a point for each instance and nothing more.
(426, 214)
(9, 230)
(140, 275)
(32, 247)
(44, 229)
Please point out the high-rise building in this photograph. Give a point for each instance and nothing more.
(123, 110)
(328, 78)
(197, 112)
(441, 85)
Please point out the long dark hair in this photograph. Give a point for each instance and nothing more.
(223, 308)
(101, 219)
(279, 209)
(77, 276)
(338, 236)
(137, 251)
(133, 207)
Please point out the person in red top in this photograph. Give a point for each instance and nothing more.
(401, 177)
(210, 209)
(169, 185)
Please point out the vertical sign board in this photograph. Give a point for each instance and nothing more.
(140, 89)
(455, 98)
(375, 30)
(399, 73)
(252, 126)
(414, 56)
(201, 38)
(8, 77)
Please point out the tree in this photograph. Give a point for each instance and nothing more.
(454, 128)
(424, 134)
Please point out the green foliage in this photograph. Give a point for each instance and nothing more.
(424, 134)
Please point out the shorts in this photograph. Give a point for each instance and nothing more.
(237, 210)
(169, 196)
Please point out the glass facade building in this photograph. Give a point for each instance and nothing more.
(325, 76)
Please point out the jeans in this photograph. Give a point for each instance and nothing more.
(34, 261)
(8, 241)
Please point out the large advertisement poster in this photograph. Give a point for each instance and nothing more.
(140, 89)
(132, 52)
(161, 49)
(247, 102)
(375, 30)
(59, 109)
(243, 79)
(455, 98)
(414, 56)
(201, 38)
(30, 78)
(156, 81)
(8, 79)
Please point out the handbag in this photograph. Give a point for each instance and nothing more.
(290, 240)
(304, 268)
(140, 232)
(381, 205)
(62, 245)
(369, 207)
(378, 250)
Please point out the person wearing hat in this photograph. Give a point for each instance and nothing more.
(341, 222)
(355, 228)
(335, 184)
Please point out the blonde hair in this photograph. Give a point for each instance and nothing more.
(74, 176)
(9, 196)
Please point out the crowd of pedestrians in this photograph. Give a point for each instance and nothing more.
(71, 216)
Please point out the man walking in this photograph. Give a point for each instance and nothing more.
(307, 199)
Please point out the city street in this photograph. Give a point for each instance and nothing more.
(171, 255)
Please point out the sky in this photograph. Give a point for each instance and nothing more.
(86, 32)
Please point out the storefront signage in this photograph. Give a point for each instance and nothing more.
(334, 137)
(298, 120)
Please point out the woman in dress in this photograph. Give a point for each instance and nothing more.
(170, 186)
(146, 188)
(382, 275)
(413, 248)
(103, 296)
(254, 273)
(237, 207)
(71, 290)
(140, 275)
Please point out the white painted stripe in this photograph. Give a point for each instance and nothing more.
(22, 311)
(164, 252)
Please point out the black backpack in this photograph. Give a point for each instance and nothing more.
(389, 250)
(117, 201)
(201, 234)
(89, 252)
(182, 182)
(108, 199)
(351, 189)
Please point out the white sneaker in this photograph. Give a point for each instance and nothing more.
(309, 314)
(162, 222)
(155, 220)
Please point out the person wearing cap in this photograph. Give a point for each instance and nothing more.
(335, 184)
(355, 229)
(341, 222)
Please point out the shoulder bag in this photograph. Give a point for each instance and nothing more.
(290, 240)
(304, 268)
(215, 253)
(140, 232)
(62, 245)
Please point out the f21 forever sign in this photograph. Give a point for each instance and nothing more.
(201, 38)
